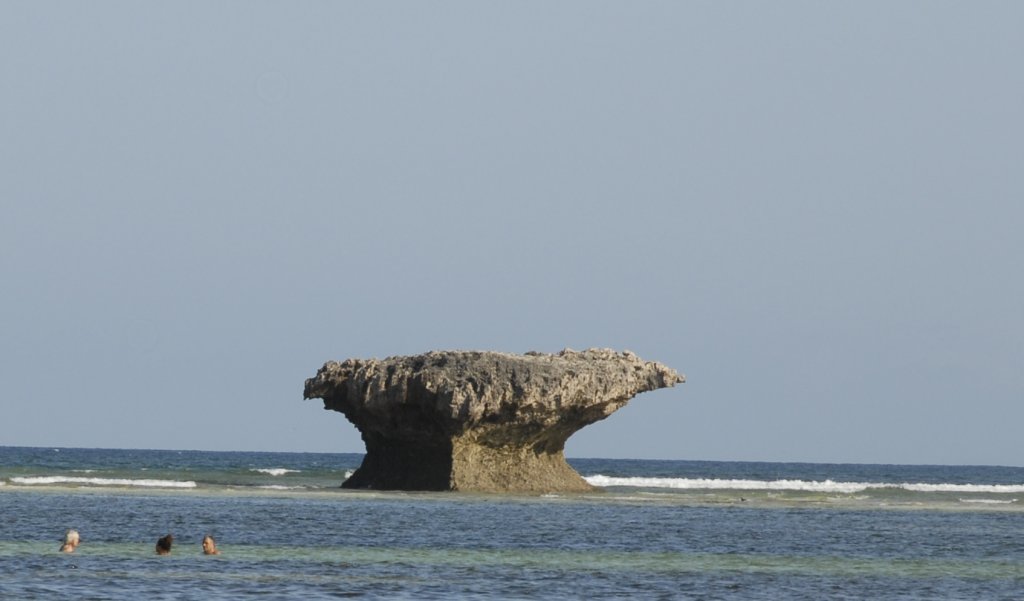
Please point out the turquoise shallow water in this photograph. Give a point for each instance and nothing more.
(754, 531)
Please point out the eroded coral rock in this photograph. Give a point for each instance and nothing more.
(479, 421)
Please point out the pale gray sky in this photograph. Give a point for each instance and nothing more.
(814, 210)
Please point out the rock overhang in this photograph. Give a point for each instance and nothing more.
(479, 420)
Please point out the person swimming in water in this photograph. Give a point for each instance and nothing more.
(71, 541)
(163, 545)
(210, 546)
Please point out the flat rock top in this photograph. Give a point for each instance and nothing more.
(468, 387)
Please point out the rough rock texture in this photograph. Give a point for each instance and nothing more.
(479, 421)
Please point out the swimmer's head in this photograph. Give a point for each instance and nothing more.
(210, 546)
(71, 540)
(163, 544)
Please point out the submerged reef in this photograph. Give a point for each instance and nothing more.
(479, 421)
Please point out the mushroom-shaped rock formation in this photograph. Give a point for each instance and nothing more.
(479, 421)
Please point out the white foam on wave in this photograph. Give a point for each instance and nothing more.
(725, 484)
(993, 488)
(274, 471)
(989, 501)
(825, 486)
(280, 487)
(37, 480)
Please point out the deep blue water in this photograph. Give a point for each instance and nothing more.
(662, 529)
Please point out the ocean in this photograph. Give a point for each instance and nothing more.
(654, 530)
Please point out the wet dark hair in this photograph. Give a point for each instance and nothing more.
(163, 544)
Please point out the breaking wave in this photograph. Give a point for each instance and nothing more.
(824, 486)
(989, 501)
(274, 471)
(43, 480)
